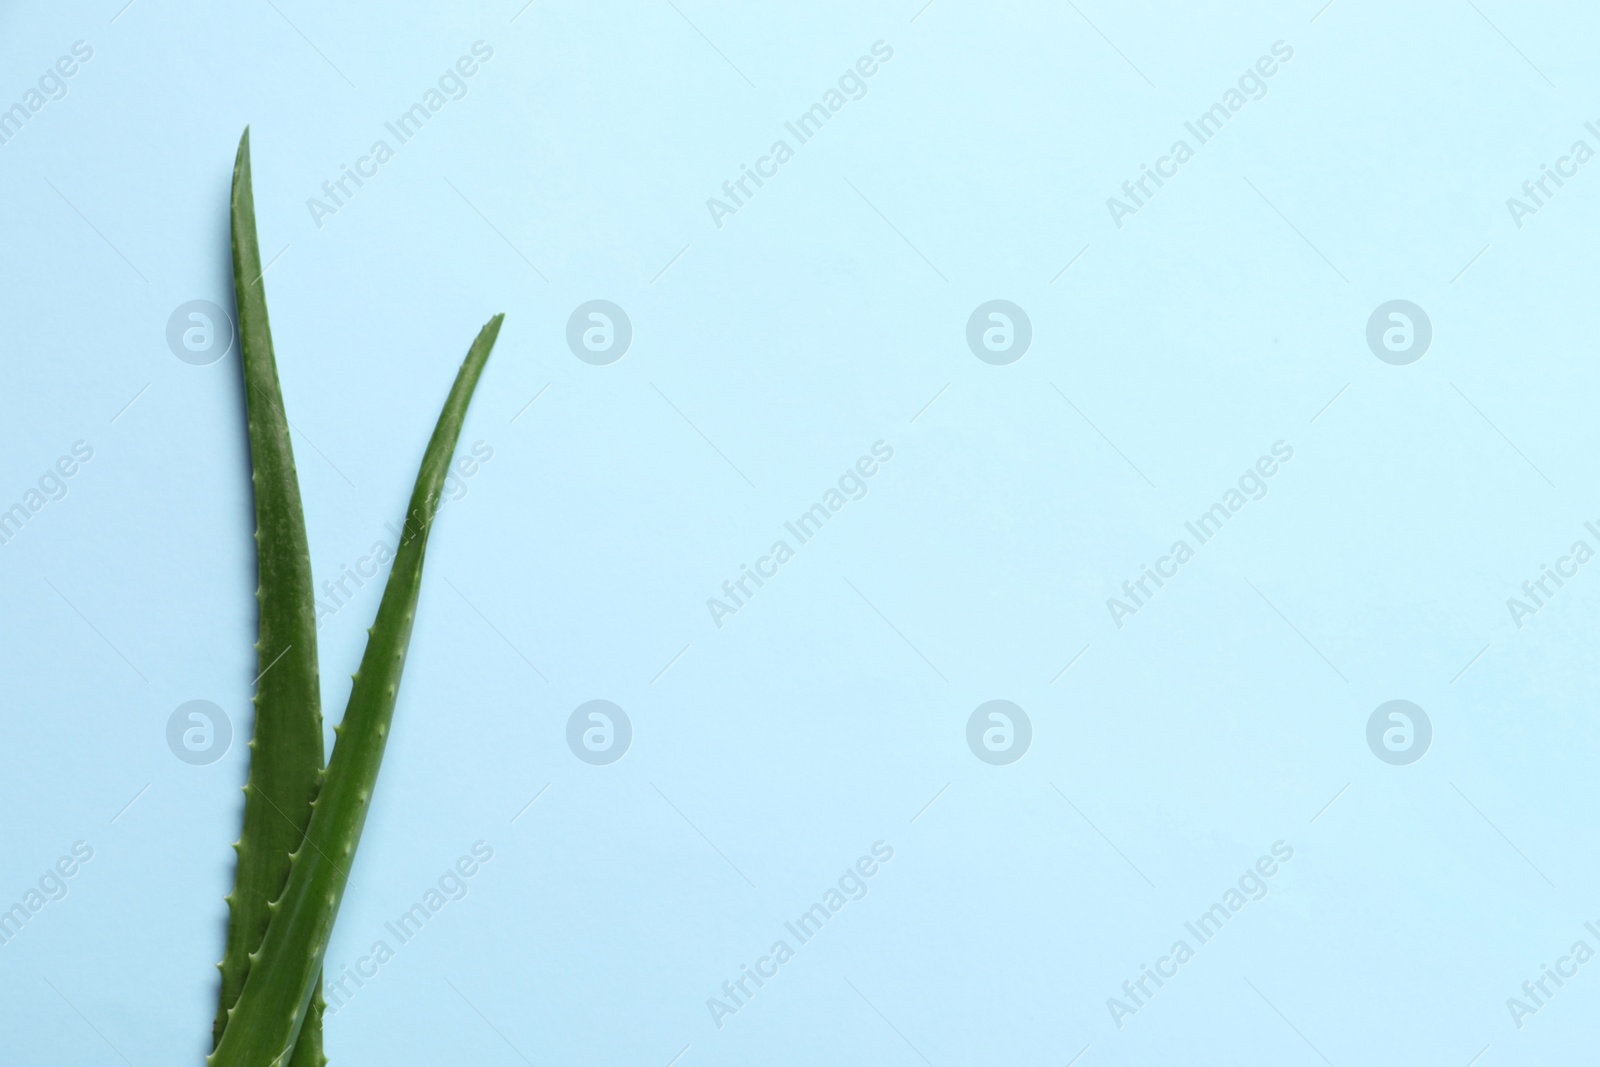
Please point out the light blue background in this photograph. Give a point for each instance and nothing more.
(821, 318)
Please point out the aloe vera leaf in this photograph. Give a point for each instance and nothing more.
(286, 750)
(268, 1016)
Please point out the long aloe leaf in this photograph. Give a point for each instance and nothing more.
(286, 750)
(267, 1019)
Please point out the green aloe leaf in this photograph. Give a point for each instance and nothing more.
(286, 750)
(267, 1020)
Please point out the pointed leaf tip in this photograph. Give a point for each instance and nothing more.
(491, 329)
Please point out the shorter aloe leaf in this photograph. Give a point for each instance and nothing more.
(266, 1021)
